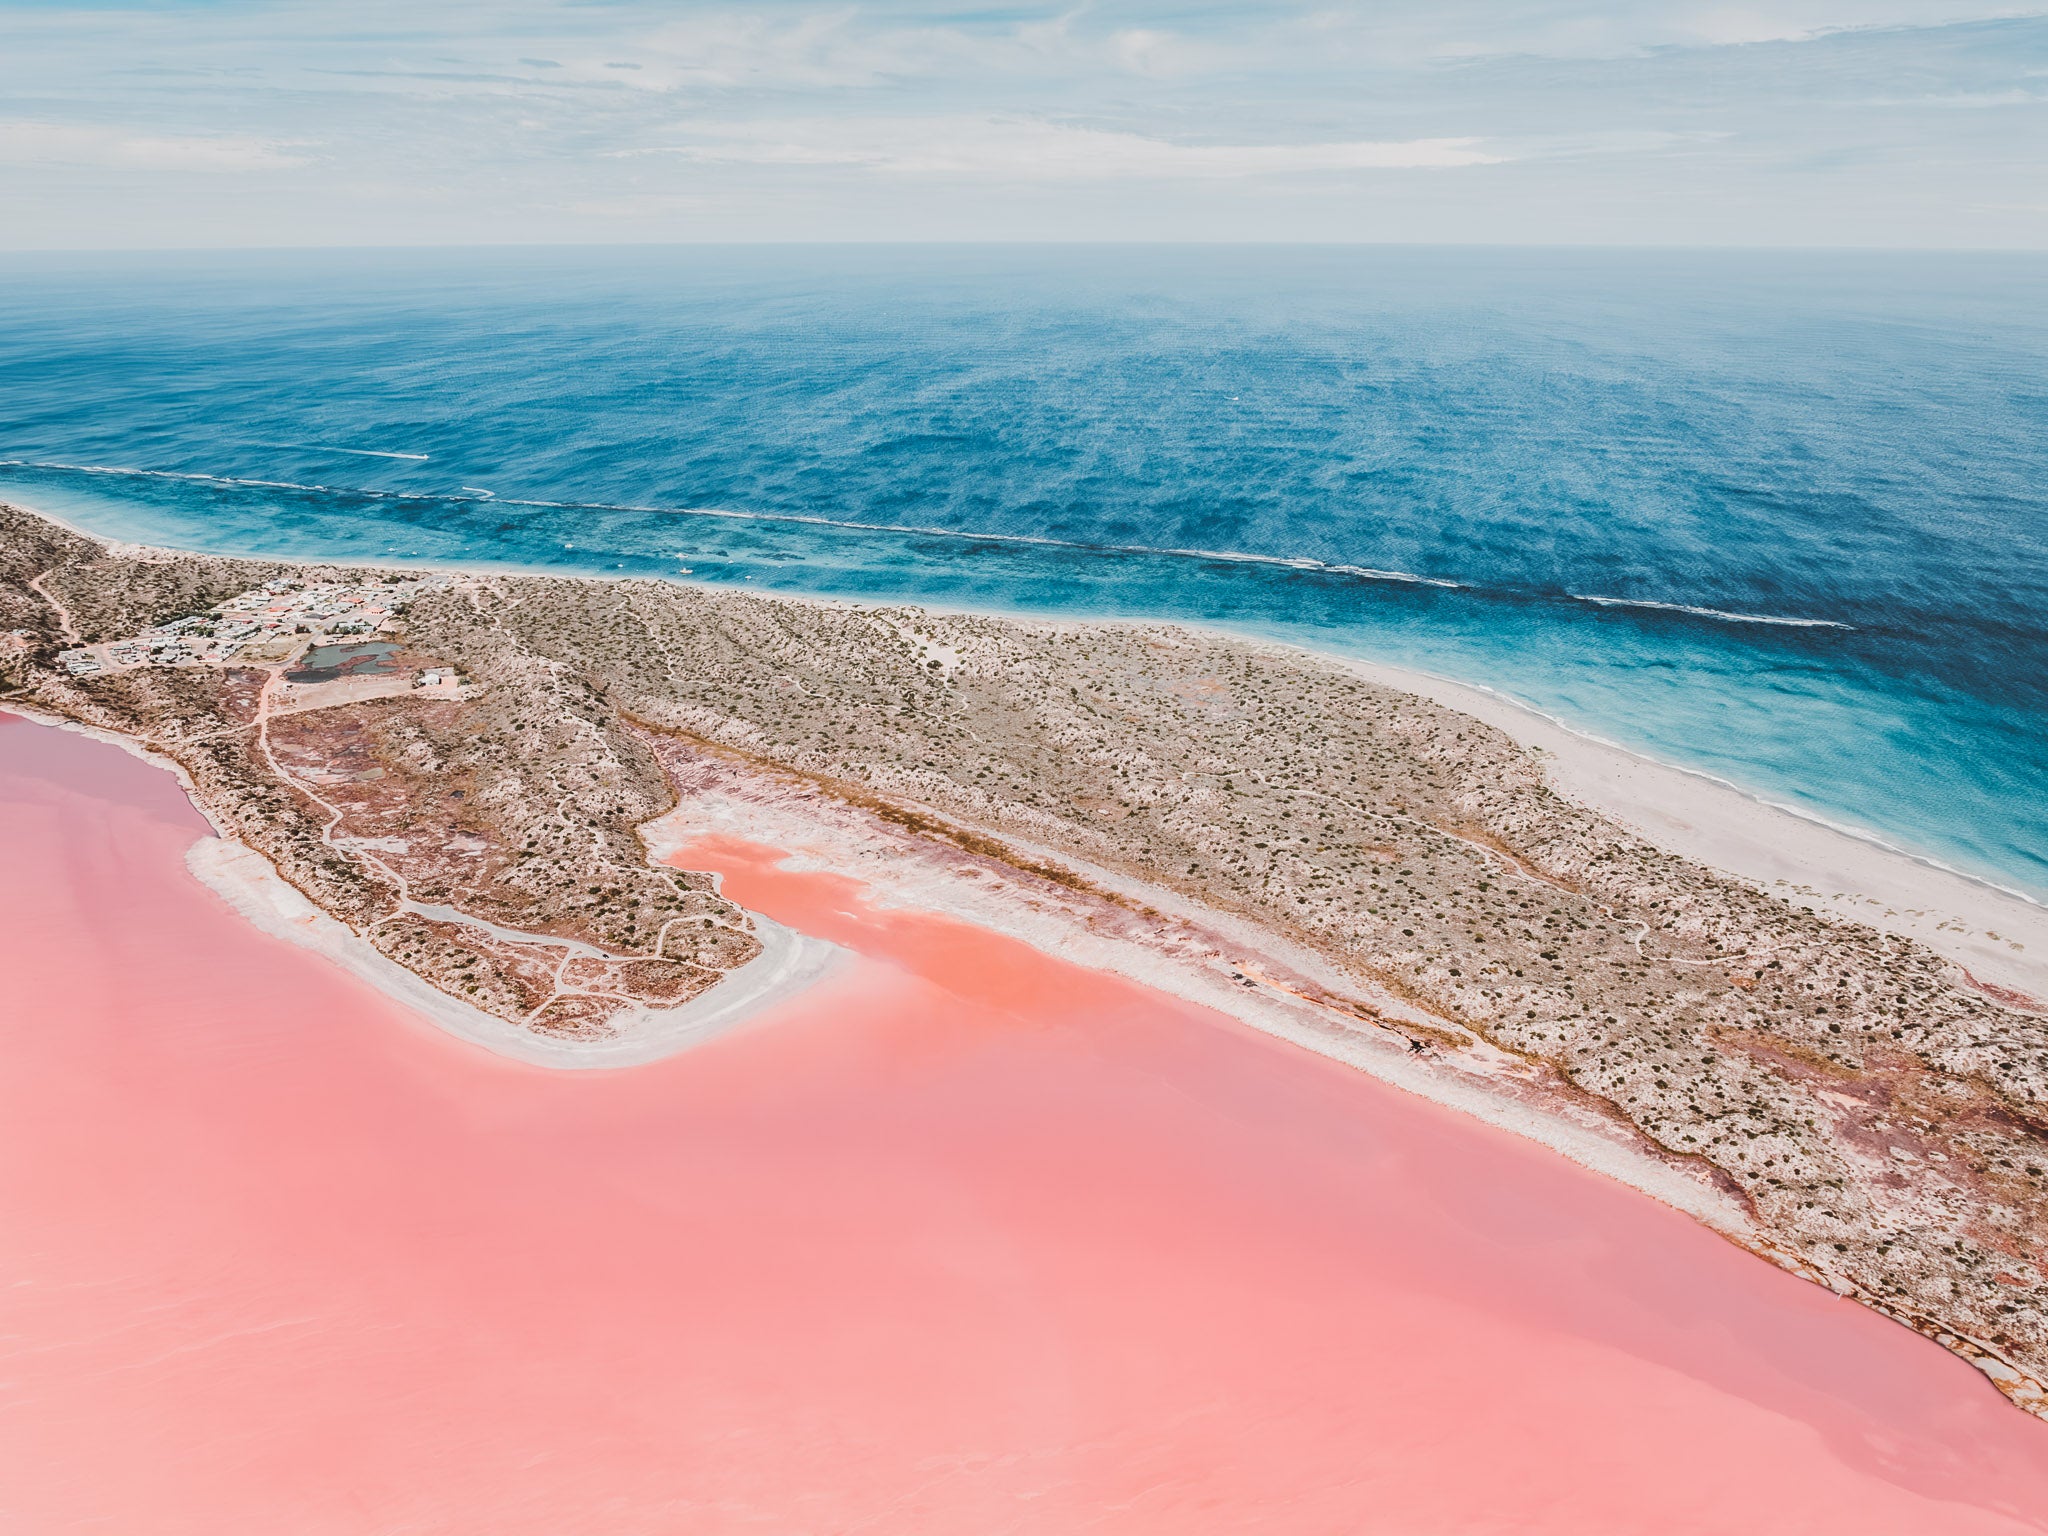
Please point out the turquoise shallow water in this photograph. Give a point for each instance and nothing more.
(1782, 519)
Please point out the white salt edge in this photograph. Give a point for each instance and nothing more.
(789, 963)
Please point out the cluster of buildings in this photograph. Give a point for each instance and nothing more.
(267, 624)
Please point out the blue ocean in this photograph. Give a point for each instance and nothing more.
(1779, 518)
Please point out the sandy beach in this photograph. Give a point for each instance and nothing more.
(789, 964)
(2000, 936)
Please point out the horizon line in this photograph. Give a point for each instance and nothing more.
(858, 242)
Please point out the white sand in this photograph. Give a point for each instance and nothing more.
(789, 963)
(895, 872)
(1999, 936)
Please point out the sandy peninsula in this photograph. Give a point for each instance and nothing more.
(1846, 1072)
(788, 964)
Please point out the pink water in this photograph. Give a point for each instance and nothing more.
(968, 1242)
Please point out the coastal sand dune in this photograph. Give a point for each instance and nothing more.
(965, 1238)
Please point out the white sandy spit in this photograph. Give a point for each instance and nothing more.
(789, 963)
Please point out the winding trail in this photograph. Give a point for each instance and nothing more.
(406, 904)
(65, 622)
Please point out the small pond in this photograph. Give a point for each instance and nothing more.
(325, 663)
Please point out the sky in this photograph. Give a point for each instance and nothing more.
(1874, 123)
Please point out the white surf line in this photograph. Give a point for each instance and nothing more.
(1305, 563)
(910, 530)
(1723, 614)
(360, 453)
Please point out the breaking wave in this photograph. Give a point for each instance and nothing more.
(1710, 613)
(360, 453)
(469, 494)
(1443, 461)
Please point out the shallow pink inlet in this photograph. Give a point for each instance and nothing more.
(968, 1242)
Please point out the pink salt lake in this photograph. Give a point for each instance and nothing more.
(967, 1241)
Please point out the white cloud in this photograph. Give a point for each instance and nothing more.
(734, 50)
(1962, 101)
(32, 143)
(1771, 121)
(1806, 20)
(1161, 55)
(1028, 149)
(1397, 36)
(844, 48)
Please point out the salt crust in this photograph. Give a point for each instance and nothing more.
(790, 963)
(964, 892)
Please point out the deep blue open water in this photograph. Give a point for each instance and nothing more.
(1781, 518)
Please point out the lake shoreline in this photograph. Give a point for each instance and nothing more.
(1231, 821)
